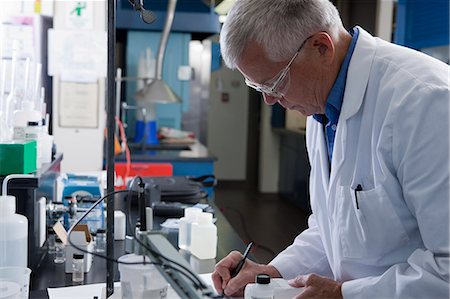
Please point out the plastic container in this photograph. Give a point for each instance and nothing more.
(262, 289)
(47, 145)
(185, 225)
(139, 280)
(33, 131)
(78, 268)
(9, 290)
(18, 275)
(22, 117)
(13, 234)
(204, 237)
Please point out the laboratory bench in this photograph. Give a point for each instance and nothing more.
(187, 159)
(51, 275)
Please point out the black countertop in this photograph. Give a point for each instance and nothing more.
(51, 275)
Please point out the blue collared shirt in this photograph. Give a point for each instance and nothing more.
(335, 98)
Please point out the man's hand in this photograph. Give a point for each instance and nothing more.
(223, 282)
(316, 287)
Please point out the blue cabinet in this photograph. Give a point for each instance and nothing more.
(422, 23)
(190, 16)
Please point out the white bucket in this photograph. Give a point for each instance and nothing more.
(18, 275)
(141, 281)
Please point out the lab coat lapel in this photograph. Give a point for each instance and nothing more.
(356, 84)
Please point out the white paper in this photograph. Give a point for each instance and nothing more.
(78, 52)
(78, 105)
(79, 292)
(79, 15)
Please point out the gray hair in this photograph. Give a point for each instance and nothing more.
(279, 26)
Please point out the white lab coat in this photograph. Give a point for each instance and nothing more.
(393, 139)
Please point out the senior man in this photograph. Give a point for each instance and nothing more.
(378, 145)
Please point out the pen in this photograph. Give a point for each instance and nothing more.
(242, 261)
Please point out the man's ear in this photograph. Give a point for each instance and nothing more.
(323, 44)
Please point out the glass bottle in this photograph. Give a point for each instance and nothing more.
(51, 241)
(78, 268)
(100, 240)
(60, 252)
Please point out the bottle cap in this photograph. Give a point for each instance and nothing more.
(7, 205)
(77, 256)
(204, 218)
(262, 279)
(101, 231)
(191, 212)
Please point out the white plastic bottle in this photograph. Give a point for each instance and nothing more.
(22, 117)
(204, 237)
(13, 234)
(262, 289)
(33, 131)
(185, 224)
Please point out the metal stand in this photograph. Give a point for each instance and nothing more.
(111, 127)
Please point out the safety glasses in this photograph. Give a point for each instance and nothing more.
(278, 85)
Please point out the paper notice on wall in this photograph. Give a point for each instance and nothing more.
(79, 15)
(79, 52)
(78, 105)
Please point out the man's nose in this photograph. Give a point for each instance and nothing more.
(269, 100)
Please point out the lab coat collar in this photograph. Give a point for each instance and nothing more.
(358, 74)
(356, 84)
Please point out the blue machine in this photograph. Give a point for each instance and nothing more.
(79, 193)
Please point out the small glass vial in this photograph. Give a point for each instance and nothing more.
(100, 240)
(60, 252)
(51, 241)
(78, 268)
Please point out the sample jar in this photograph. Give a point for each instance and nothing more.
(51, 240)
(78, 268)
(100, 240)
(60, 252)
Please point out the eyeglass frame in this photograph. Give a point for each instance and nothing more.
(281, 75)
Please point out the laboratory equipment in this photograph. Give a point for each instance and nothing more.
(9, 290)
(17, 275)
(141, 281)
(185, 225)
(204, 237)
(77, 268)
(13, 234)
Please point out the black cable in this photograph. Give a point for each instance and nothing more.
(246, 233)
(69, 234)
(199, 284)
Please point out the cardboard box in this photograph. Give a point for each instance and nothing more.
(82, 238)
(17, 157)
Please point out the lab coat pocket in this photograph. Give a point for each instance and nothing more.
(369, 226)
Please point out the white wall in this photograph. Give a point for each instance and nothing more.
(227, 124)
